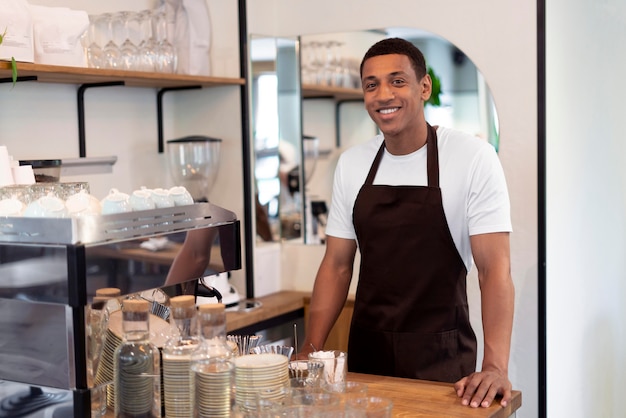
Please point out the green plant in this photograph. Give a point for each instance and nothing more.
(13, 63)
(434, 99)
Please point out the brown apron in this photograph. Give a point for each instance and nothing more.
(411, 317)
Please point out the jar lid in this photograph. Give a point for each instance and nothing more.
(193, 138)
(41, 163)
(212, 307)
(184, 301)
(111, 292)
(136, 305)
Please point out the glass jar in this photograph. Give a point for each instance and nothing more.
(177, 382)
(211, 364)
(137, 376)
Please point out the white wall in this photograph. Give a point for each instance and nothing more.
(500, 38)
(39, 120)
(586, 203)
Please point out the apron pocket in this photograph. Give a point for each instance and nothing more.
(428, 356)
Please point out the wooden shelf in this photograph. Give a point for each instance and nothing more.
(80, 75)
(337, 93)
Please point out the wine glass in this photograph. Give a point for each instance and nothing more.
(166, 58)
(148, 44)
(93, 44)
(111, 50)
(126, 25)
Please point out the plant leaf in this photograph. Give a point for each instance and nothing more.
(13, 70)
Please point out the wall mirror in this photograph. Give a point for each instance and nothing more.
(277, 136)
(294, 168)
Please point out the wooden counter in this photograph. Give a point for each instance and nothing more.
(272, 306)
(419, 398)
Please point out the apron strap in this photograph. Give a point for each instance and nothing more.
(432, 157)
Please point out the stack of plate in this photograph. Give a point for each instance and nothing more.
(159, 331)
(213, 387)
(260, 373)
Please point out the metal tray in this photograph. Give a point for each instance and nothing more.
(89, 230)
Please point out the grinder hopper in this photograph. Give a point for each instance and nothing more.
(193, 163)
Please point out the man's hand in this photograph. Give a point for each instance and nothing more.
(480, 389)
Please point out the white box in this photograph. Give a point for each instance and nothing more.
(266, 268)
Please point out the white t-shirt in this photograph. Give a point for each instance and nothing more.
(473, 187)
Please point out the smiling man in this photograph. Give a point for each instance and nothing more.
(422, 204)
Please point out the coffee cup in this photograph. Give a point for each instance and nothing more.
(49, 206)
(82, 203)
(162, 198)
(11, 207)
(181, 196)
(142, 200)
(115, 202)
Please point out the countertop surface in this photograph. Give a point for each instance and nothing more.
(272, 306)
(419, 398)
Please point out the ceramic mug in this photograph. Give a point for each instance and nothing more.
(49, 206)
(142, 200)
(115, 202)
(181, 196)
(11, 207)
(162, 198)
(82, 203)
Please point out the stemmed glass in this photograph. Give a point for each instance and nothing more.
(126, 26)
(111, 50)
(166, 57)
(93, 44)
(148, 44)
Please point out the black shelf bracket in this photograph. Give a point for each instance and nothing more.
(80, 101)
(25, 78)
(160, 94)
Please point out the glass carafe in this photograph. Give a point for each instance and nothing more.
(211, 364)
(178, 390)
(136, 366)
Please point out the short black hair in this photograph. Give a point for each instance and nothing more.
(398, 46)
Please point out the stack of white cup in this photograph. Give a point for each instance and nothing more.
(13, 173)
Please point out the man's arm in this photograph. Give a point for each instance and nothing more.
(492, 257)
(330, 291)
(193, 257)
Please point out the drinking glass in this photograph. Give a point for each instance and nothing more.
(148, 44)
(111, 50)
(335, 364)
(93, 44)
(127, 25)
(370, 407)
(166, 57)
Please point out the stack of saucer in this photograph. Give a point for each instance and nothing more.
(213, 388)
(176, 384)
(260, 373)
(159, 330)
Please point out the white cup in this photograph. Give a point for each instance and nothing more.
(6, 175)
(181, 196)
(142, 200)
(11, 207)
(82, 203)
(115, 202)
(335, 364)
(49, 206)
(23, 174)
(162, 198)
